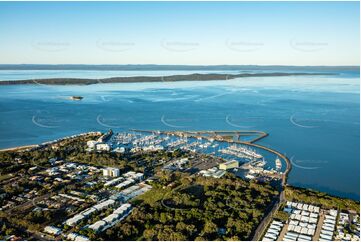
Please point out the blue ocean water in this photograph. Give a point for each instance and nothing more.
(314, 120)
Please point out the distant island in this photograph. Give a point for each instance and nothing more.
(171, 78)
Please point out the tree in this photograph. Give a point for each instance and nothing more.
(163, 218)
(10, 231)
(209, 227)
(283, 216)
(109, 233)
(149, 234)
(188, 229)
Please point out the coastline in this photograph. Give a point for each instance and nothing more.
(46, 143)
(286, 193)
(30, 147)
(18, 148)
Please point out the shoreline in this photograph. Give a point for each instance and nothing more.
(30, 147)
(18, 148)
(142, 79)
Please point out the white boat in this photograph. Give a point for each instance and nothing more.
(278, 163)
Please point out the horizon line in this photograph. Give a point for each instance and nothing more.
(190, 65)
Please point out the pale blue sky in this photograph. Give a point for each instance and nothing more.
(209, 33)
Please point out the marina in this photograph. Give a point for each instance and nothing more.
(254, 161)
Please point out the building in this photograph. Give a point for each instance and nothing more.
(74, 220)
(98, 226)
(103, 205)
(273, 231)
(102, 147)
(86, 213)
(229, 165)
(52, 230)
(78, 237)
(118, 214)
(135, 176)
(91, 144)
(81, 238)
(114, 181)
(113, 172)
(71, 236)
(219, 174)
(212, 172)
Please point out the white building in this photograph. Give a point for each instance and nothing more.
(102, 147)
(137, 176)
(118, 214)
(97, 226)
(125, 183)
(81, 238)
(214, 172)
(114, 181)
(113, 172)
(77, 237)
(71, 236)
(52, 230)
(91, 144)
(104, 205)
(74, 220)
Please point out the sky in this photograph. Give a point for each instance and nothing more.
(190, 33)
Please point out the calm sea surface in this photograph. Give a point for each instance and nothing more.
(313, 119)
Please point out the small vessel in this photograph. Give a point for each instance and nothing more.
(278, 163)
(76, 98)
(259, 163)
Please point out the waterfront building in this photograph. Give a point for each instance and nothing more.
(229, 165)
(219, 174)
(102, 147)
(91, 144)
